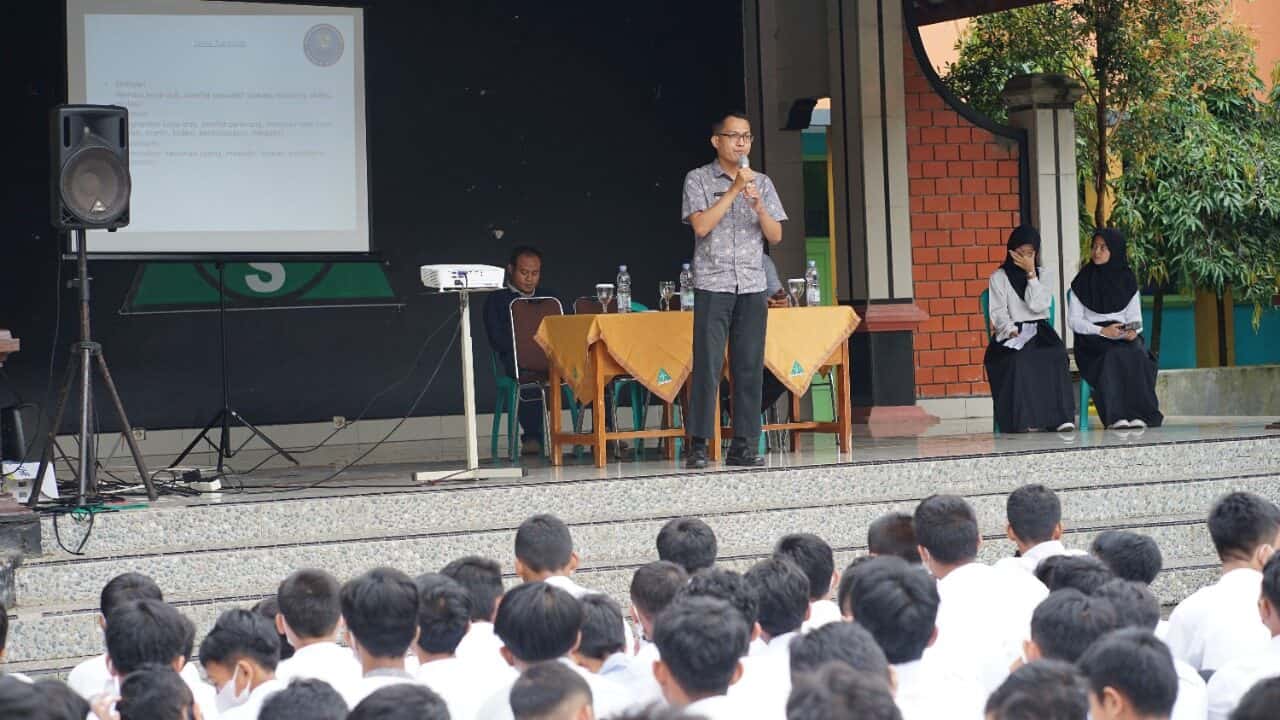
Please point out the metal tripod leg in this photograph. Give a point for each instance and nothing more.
(46, 458)
(128, 429)
(216, 420)
(263, 437)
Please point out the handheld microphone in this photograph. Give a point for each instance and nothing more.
(744, 162)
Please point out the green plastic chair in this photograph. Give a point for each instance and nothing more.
(507, 402)
(983, 304)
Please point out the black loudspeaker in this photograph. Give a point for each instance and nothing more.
(90, 167)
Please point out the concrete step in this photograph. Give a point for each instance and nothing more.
(245, 521)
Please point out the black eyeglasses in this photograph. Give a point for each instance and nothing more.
(735, 137)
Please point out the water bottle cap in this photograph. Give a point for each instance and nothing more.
(622, 268)
(813, 263)
(685, 266)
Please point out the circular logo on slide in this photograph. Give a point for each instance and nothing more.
(323, 45)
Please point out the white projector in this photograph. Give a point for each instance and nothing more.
(459, 277)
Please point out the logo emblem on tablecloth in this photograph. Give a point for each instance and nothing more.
(796, 369)
(663, 377)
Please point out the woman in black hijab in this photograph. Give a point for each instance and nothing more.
(1106, 316)
(1030, 386)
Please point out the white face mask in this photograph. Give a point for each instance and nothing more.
(228, 697)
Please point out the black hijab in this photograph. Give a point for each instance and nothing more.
(1107, 288)
(1021, 235)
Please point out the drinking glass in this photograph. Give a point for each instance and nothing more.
(666, 290)
(604, 293)
(795, 291)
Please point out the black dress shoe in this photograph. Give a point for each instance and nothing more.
(744, 458)
(697, 458)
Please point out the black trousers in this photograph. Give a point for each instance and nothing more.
(739, 320)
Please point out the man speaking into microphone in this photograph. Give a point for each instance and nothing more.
(733, 211)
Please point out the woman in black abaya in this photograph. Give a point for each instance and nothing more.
(1030, 387)
(1105, 314)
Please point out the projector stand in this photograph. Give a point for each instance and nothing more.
(84, 355)
(473, 471)
(227, 414)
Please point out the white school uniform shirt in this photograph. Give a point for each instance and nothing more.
(821, 612)
(481, 645)
(463, 685)
(718, 707)
(928, 690)
(1030, 560)
(1083, 321)
(257, 696)
(1231, 681)
(765, 684)
(1006, 308)
(1219, 623)
(567, 584)
(608, 698)
(374, 681)
(636, 675)
(983, 618)
(1192, 702)
(327, 661)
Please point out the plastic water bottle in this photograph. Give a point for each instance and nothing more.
(686, 288)
(623, 289)
(813, 291)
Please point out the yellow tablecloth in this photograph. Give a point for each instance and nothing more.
(656, 348)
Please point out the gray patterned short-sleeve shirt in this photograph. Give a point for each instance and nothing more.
(730, 259)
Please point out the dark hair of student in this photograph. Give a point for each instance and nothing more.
(241, 635)
(381, 611)
(701, 640)
(544, 687)
(269, 607)
(1033, 512)
(1129, 555)
(520, 251)
(1067, 622)
(654, 586)
(1042, 690)
(1135, 605)
(602, 628)
(127, 587)
(304, 699)
(21, 701)
(1080, 572)
(688, 542)
(898, 604)
(62, 703)
(1136, 665)
(1260, 702)
(718, 125)
(482, 579)
(1241, 521)
(947, 527)
(838, 692)
(1270, 581)
(543, 543)
(783, 590)
(443, 613)
(894, 534)
(537, 621)
(813, 556)
(154, 692)
(147, 631)
(403, 701)
(847, 643)
(727, 585)
(844, 591)
(310, 601)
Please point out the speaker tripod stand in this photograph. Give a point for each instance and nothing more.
(84, 356)
(227, 415)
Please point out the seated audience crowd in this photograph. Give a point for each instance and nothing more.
(919, 628)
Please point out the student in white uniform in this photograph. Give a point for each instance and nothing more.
(1131, 556)
(1078, 572)
(1044, 690)
(1220, 622)
(1137, 607)
(701, 641)
(1035, 527)
(156, 691)
(538, 621)
(893, 534)
(443, 609)
(848, 578)
(601, 641)
(1260, 703)
(733, 588)
(1130, 677)
(151, 632)
(653, 587)
(92, 677)
(1066, 623)
(898, 604)
(482, 579)
(380, 609)
(688, 542)
(838, 692)
(782, 591)
(845, 643)
(305, 699)
(310, 610)
(1229, 684)
(240, 655)
(815, 558)
(401, 701)
(544, 553)
(550, 690)
(984, 614)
